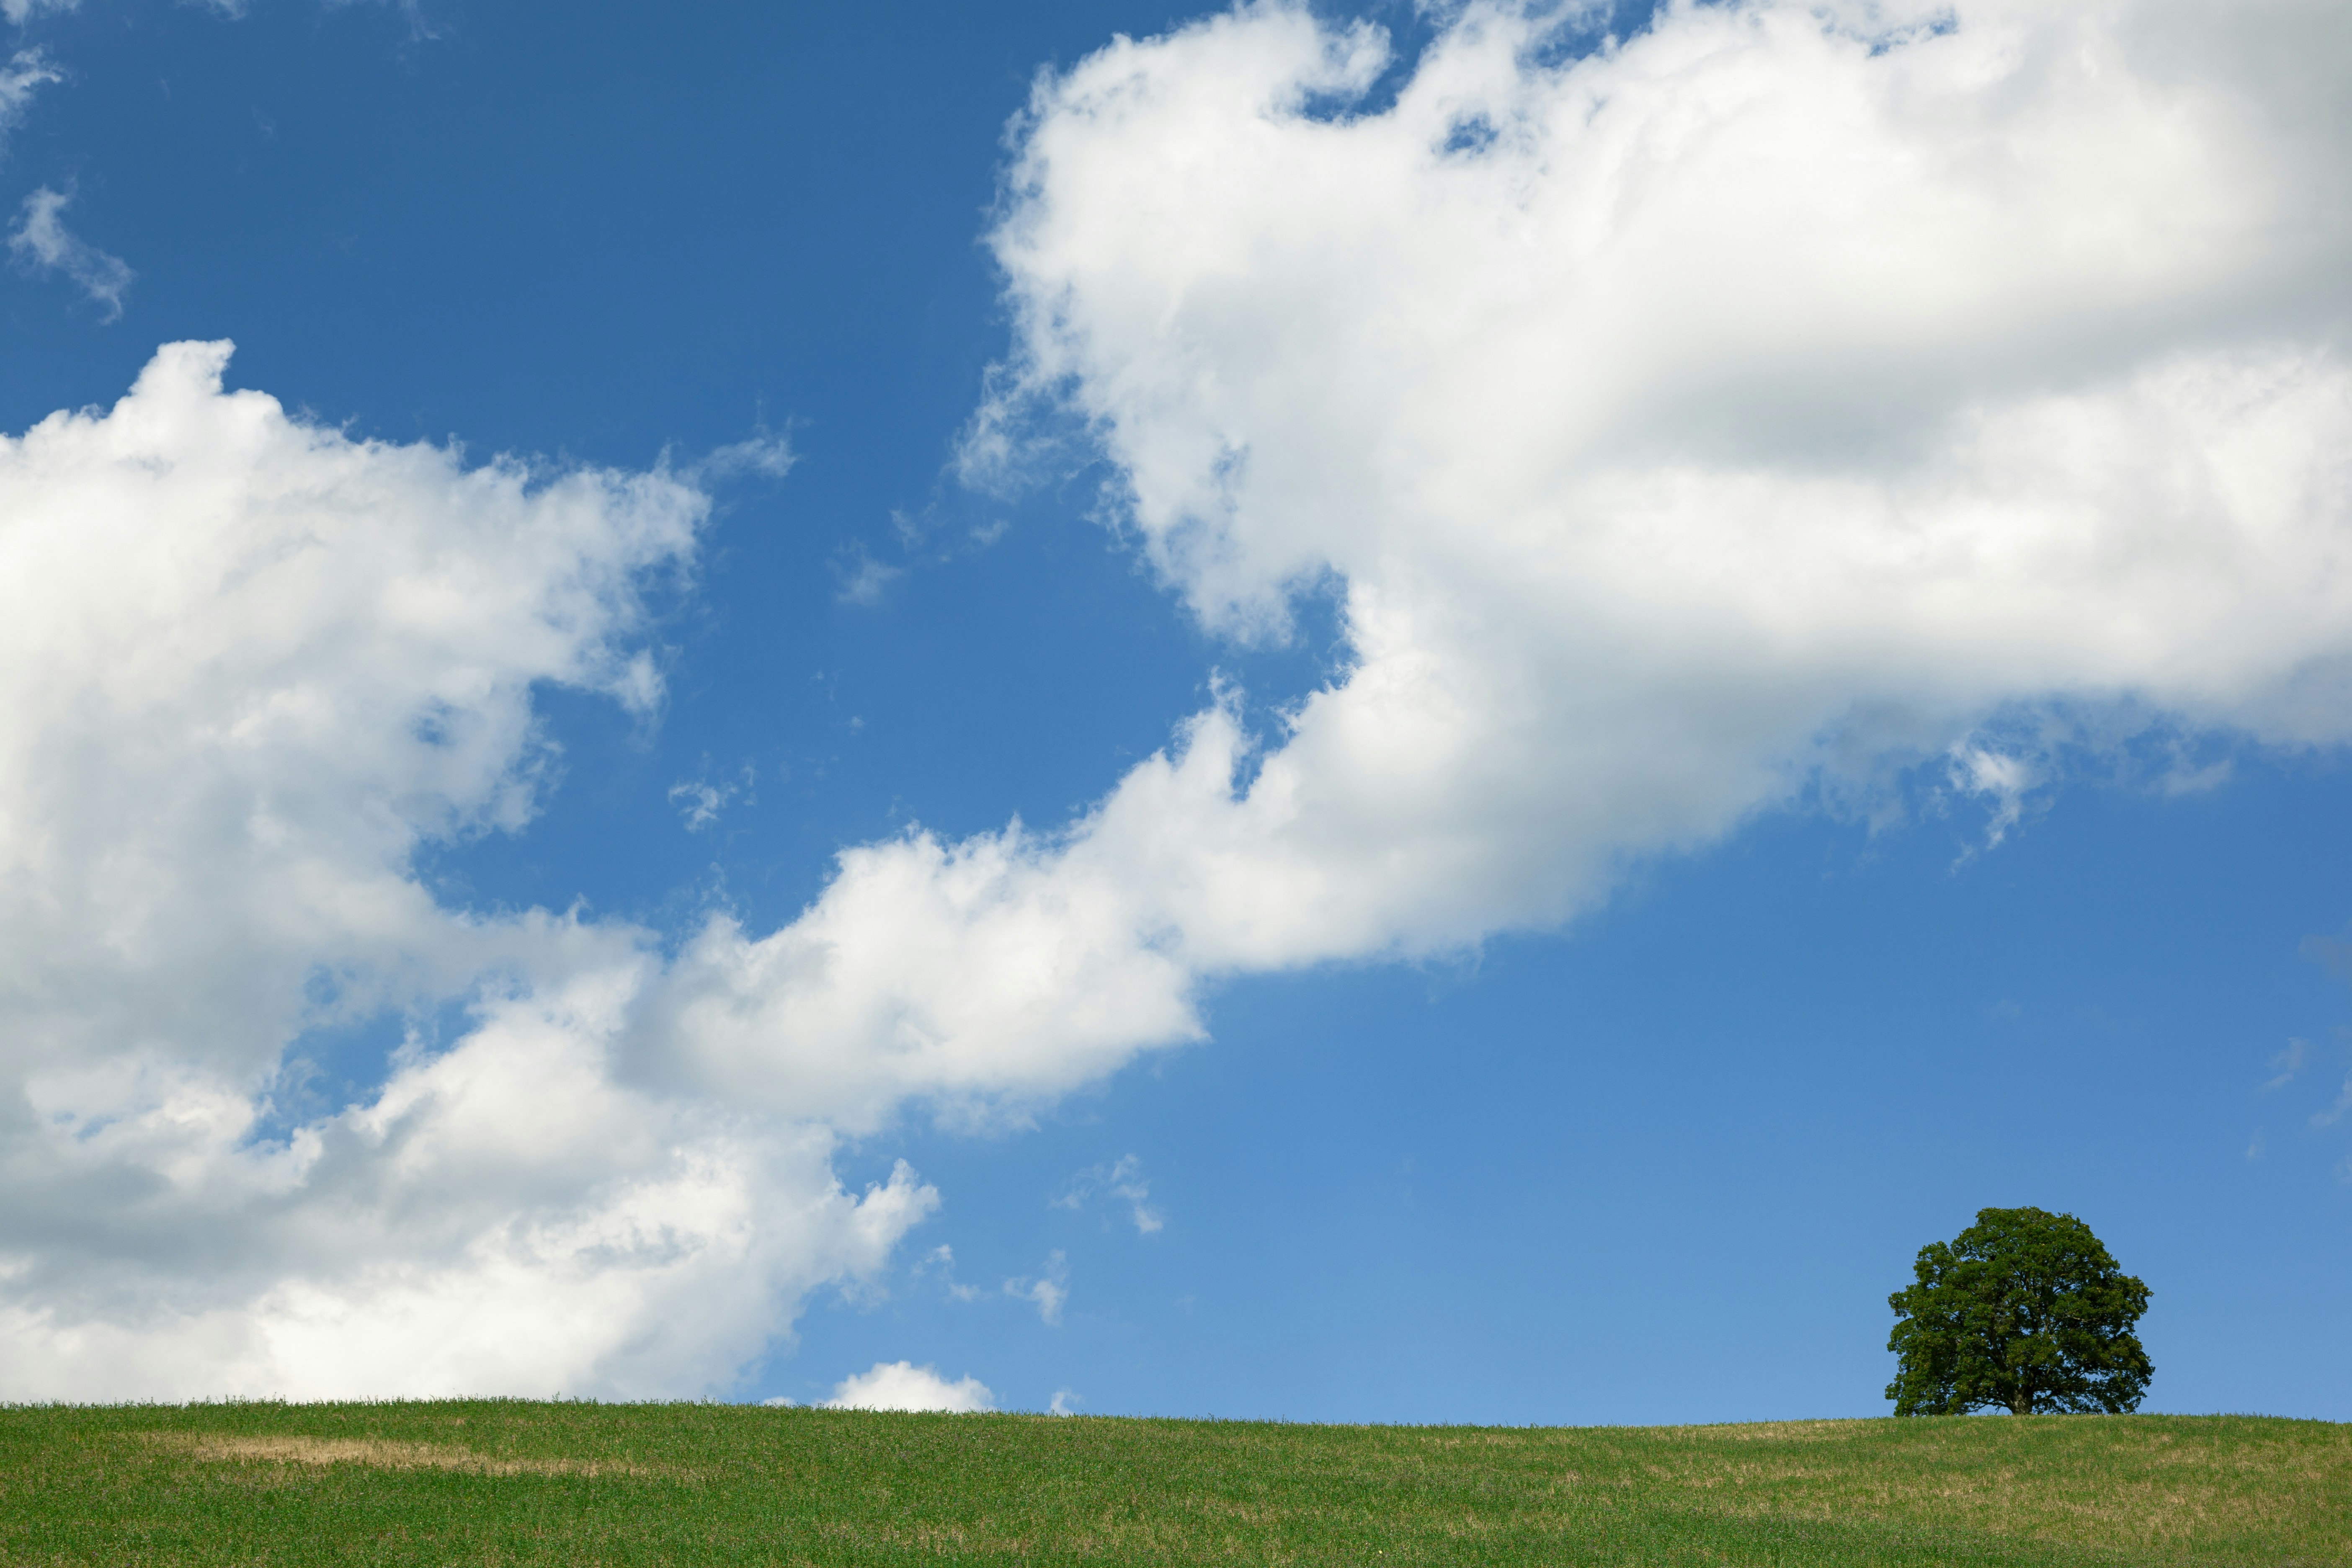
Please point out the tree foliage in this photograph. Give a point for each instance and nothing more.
(2023, 1311)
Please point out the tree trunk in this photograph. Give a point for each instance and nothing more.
(2021, 1403)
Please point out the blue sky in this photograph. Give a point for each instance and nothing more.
(1755, 731)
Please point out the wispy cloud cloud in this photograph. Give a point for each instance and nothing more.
(1047, 1292)
(699, 801)
(1122, 1180)
(2286, 1064)
(42, 243)
(765, 454)
(26, 72)
(862, 577)
(941, 1261)
(22, 11)
(2001, 777)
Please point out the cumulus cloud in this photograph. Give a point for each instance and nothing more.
(1783, 398)
(250, 667)
(42, 243)
(902, 1386)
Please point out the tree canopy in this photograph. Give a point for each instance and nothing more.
(2023, 1311)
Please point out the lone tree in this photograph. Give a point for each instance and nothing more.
(2022, 1311)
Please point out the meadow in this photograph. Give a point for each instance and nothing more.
(512, 1482)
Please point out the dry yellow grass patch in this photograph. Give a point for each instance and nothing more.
(2151, 1488)
(382, 1454)
(1777, 1431)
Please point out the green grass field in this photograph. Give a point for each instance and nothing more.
(511, 1482)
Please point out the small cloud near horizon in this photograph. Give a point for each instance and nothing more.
(902, 1386)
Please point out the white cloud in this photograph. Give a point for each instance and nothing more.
(1124, 1180)
(2003, 778)
(419, 26)
(41, 242)
(982, 978)
(863, 578)
(941, 1261)
(1127, 1182)
(1063, 1400)
(700, 801)
(2184, 780)
(1786, 396)
(768, 455)
(250, 666)
(2287, 1063)
(1046, 1293)
(26, 72)
(902, 1386)
(699, 804)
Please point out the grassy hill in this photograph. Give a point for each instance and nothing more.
(510, 1482)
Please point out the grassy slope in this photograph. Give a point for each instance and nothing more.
(514, 1483)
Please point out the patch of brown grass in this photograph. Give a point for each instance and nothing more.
(383, 1454)
(2153, 1487)
(1777, 1431)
